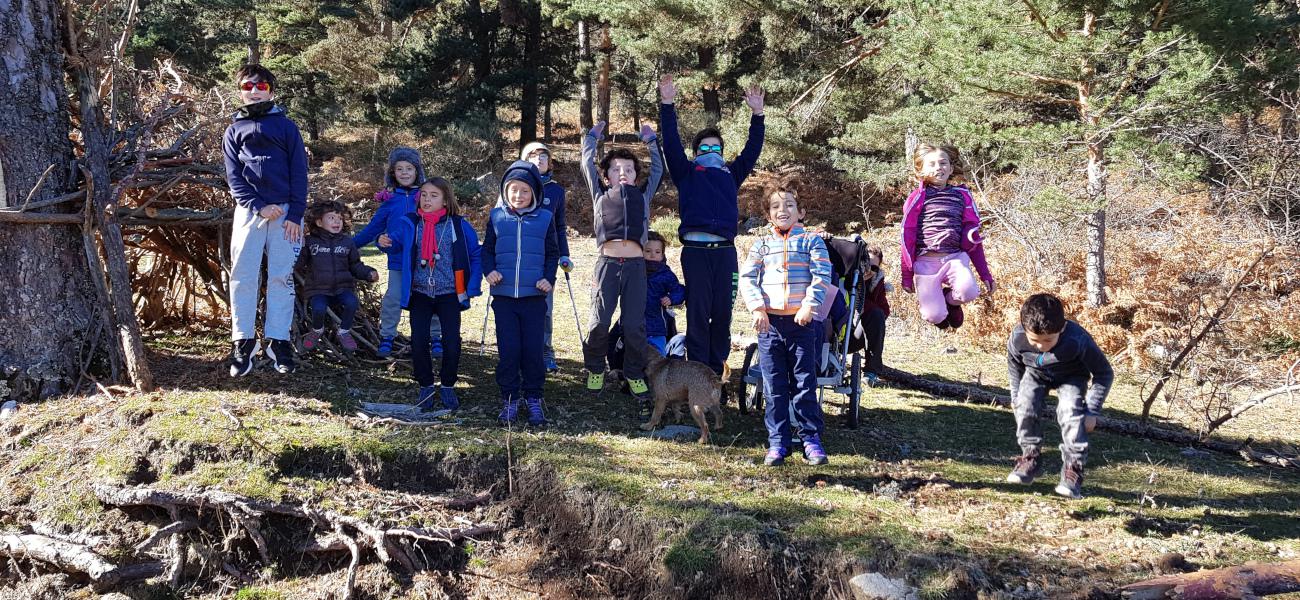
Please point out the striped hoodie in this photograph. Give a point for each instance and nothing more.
(784, 271)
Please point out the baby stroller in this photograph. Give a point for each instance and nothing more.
(841, 370)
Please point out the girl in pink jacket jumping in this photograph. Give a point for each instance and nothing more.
(941, 238)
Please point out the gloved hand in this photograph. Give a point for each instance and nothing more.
(598, 130)
(464, 305)
(566, 264)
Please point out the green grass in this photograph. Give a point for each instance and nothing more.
(922, 477)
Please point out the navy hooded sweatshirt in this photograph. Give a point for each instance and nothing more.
(708, 197)
(266, 162)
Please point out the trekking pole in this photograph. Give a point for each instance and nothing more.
(574, 303)
(482, 341)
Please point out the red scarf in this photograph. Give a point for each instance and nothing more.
(429, 241)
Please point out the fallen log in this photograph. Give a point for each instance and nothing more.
(1251, 580)
(973, 395)
(74, 558)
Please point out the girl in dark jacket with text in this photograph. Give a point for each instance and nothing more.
(330, 265)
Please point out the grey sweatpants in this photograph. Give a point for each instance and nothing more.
(618, 282)
(1031, 402)
(248, 243)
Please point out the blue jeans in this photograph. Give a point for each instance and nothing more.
(346, 300)
(390, 311)
(520, 365)
(445, 308)
(787, 356)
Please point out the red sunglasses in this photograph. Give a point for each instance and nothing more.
(260, 86)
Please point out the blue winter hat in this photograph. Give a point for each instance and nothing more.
(409, 155)
(522, 170)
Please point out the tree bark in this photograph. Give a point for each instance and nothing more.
(528, 98)
(254, 45)
(99, 191)
(46, 301)
(1251, 580)
(602, 86)
(706, 56)
(584, 77)
(1095, 222)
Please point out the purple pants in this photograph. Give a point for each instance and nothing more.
(933, 273)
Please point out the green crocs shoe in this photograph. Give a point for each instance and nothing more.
(640, 390)
(595, 382)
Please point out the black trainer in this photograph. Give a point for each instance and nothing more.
(281, 354)
(241, 357)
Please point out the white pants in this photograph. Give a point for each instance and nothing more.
(248, 243)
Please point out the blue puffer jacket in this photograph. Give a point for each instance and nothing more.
(465, 255)
(523, 248)
(401, 200)
(660, 283)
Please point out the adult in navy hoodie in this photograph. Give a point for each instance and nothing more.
(266, 169)
(707, 192)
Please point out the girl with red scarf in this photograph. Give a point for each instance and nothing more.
(440, 273)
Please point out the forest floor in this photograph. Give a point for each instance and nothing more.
(590, 507)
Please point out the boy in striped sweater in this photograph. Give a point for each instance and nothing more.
(782, 282)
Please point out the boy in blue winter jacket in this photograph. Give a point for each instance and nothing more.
(399, 197)
(266, 169)
(520, 255)
(662, 291)
(553, 199)
(707, 192)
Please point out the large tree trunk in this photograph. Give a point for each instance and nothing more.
(528, 98)
(1095, 222)
(46, 299)
(705, 57)
(1251, 580)
(584, 77)
(254, 45)
(602, 85)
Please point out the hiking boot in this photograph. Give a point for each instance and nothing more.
(509, 410)
(348, 342)
(312, 338)
(595, 382)
(281, 354)
(775, 456)
(435, 347)
(551, 367)
(449, 399)
(535, 416)
(241, 357)
(1027, 468)
(639, 389)
(428, 395)
(813, 453)
(1071, 484)
(385, 347)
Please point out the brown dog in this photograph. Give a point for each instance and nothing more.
(676, 382)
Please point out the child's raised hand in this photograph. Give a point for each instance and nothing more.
(761, 323)
(804, 316)
(665, 302)
(667, 90)
(597, 130)
(647, 132)
(385, 241)
(493, 278)
(754, 98)
(544, 285)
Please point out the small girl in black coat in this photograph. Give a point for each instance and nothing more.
(330, 264)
